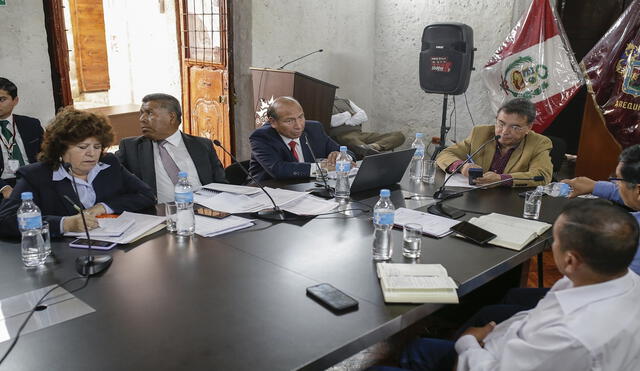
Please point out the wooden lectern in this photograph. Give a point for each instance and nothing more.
(315, 96)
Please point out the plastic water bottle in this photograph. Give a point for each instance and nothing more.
(555, 189)
(185, 219)
(383, 213)
(415, 171)
(30, 224)
(343, 166)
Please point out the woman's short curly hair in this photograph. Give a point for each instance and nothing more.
(70, 127)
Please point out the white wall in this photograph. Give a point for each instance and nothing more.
(142, 49)
(24, 57)
(400, 102)
(285, 30)
(372, 50)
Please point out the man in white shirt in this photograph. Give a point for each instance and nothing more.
(346, 129)
(589, 320)
(163, 150)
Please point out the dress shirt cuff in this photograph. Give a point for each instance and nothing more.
(454, 166)
(505, 177)
(107, 209)
(467, 342)
(62, 225)
(312, 170)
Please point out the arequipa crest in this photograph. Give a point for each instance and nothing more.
(523, 78)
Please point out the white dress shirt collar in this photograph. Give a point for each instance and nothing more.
(175, 138)
(573, 298)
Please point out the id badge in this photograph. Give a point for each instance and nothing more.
(14, 165)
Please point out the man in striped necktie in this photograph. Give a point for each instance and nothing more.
(20, 137)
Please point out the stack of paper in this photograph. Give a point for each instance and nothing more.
(209, 227)
(459, 180)
(108, 227)
(432, 225)
(143, 225)
(230, 188)
(416, 283)
(300, 203)
(511, 232)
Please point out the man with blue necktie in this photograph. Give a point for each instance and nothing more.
(20, 137)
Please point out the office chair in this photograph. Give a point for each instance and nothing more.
(235, 175)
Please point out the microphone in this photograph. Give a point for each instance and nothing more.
(91, 264)
(327, 192)
(275, 214)
(297, 59)
(440, 193)
(439, 209)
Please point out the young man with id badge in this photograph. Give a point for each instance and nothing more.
(20, 138)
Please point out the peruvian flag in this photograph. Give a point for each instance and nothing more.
(534, 62)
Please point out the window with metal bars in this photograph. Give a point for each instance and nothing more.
(205, 31)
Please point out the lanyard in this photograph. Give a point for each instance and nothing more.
(7, 145)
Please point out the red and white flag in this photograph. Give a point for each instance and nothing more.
(534, 62)
(612, 68)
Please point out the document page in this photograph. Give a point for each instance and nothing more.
(108, 227)
(433, 225)
(237, 189)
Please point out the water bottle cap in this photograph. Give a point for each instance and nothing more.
(385, 193)
(182, 174)
(343, 148)
(419, 135)
(26, 196)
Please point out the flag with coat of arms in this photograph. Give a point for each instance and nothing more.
(612, 68)
(534, 62)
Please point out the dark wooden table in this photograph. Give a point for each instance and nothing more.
(238, 301)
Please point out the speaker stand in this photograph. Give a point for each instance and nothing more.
(443, 129)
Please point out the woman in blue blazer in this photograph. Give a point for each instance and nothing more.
(74, 144)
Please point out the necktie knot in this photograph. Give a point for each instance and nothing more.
(4, 123)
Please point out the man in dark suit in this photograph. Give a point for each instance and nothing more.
(162, 150)
(21, 137)
(280, 148)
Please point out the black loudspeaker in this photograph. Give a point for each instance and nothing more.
(446, 59)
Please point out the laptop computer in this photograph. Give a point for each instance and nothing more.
(381, 170)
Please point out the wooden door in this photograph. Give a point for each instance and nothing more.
(205, 75)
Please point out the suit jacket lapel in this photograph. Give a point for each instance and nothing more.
(147, 165)
(306, 152)
(199, 159)
(286, 150)
(64, 187)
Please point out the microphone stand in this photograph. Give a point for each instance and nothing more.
(325, 192)
(88, 265)
(450, 212)
(275, 214)
(441, 193)
(297, 59)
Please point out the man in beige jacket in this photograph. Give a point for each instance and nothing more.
(518, 153)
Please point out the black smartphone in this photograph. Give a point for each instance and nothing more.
(473, 232)
(332, 298)
(82, 243)
(205, 211)
(474, 173)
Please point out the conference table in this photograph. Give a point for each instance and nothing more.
(238, 301)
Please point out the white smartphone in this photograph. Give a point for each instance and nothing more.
(83, 243)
